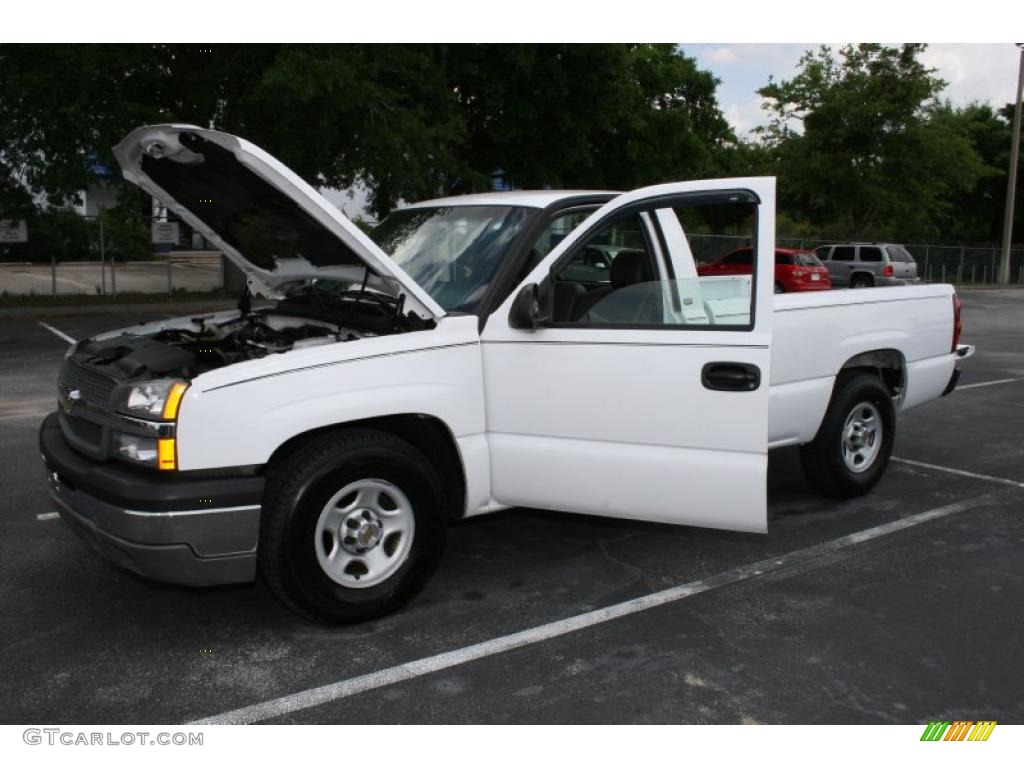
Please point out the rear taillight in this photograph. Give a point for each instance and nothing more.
(957, 324)
(887, 272)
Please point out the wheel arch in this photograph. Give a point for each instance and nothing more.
(889, 364)
(428, 434)
(826, 460)
(861, 273)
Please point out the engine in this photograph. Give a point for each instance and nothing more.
(185, 351)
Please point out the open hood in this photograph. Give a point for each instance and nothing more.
(268, 221)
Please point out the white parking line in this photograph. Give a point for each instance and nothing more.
(796, 561)
(961, 472)
(53, 330)
(48, 516)
(987, 383)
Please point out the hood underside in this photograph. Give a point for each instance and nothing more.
(267, 220)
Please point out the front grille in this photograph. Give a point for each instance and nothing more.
(94, 387)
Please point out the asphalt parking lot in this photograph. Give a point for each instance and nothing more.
(917, 621)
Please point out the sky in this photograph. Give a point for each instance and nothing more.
(974, 72)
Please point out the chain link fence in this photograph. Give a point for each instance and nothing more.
(74, 255)
(69, 254)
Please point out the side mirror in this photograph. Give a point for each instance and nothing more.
(527, 312)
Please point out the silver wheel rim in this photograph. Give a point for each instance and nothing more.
(364, 533)
(862, 437)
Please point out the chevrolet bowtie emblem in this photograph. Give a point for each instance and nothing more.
(70, 398)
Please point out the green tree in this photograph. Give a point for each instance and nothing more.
(409, 121)
(607, 116)
(126, 230)
(62, 235)
(862, 148)
(380, 114)
(976, 214)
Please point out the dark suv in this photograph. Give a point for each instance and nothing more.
(864, 265)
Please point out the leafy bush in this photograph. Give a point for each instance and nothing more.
(55, 234)
(126, 235)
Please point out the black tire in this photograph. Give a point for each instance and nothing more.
(861, 281)
(779, 288)
(823, 459)
(299, 486)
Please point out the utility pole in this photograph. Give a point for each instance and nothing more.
(1011, 179)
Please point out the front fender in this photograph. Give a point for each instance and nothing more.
(242, 423)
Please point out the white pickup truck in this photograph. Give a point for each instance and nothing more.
(550, 349)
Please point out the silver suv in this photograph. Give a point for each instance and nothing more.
(864, 265)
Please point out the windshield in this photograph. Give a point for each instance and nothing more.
(454, 252)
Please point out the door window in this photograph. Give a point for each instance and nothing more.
(870, 253)
(612, 278)
(842, 253)
(615, 258)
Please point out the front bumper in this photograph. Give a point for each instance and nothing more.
(171, 527)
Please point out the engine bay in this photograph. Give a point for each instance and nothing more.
(205, 344)
(214, 345)
(312, 314)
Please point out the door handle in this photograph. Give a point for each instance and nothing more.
(731, 377)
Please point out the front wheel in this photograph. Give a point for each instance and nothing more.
(354, 524)
(779, 288)
(849, 454)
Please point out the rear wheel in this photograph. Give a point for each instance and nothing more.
(779, 288)
(849, 454)
(353, 526)
(861, 281)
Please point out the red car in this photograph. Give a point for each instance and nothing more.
(795, 269)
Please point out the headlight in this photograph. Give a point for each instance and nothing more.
(158, 399)
(158, 453)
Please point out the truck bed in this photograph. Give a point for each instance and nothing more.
(815, 334)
